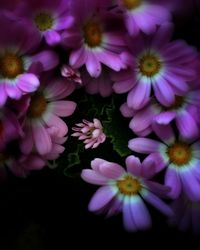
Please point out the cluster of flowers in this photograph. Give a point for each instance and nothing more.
(120, 46)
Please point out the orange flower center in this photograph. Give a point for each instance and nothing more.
(92, 34)
(180, 153)
(37, 106)
(149, 65)
(131, 4)
(11, 65)
(44, 21)
(129, 185)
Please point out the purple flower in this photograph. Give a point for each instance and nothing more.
(90, 132)
(184, 111)
(156, 63)
(18, 69)
(44, 112)
(181, 158)
(91, 42)
(124, 191)
(143, 15)
(46, 18)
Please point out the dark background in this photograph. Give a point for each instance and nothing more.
(49, 210)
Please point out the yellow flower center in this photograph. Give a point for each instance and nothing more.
(44, 21)
(131, 4)
(92, 34)
(129, 185)
(180, 153)
(37, 106)
(11, 65)
(149, 65)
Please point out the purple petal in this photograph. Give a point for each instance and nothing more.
(41, 139)
(142, 119)
(93, 177)
(93, 65)
(191, 186)
(28, 82)
(13, 91)
(172, 180)
(187, 125)
(163, 92)
(63, 108)
(111, 170)
(140, 213)
(165, 118)
(164, 132)
(128, 221)
(77, 58)
(48, 59)
(64, 22)
(162, 36)
(157, 188)
(139, 95)
(133, 165)
(101, 198)
(158, 204)
(144, 145)
(54, 121)
(96, 163)
(126, 111)
(52, 37)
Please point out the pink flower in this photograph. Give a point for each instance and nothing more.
(125, 191)
(90, 132)
(45, 109)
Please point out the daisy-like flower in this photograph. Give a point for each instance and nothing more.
(45, 109)
(186, 214)
(91, 42)
(184, 111)
(165, 66)
(124, 191)
(46, 18)
(19, 69)
(181, 157)
(143, 15)
(101, 85)
(90, 132)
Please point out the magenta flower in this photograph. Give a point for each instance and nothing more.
(101, 85)
(46, 18)
(186, 214)
(156, 63)
(18, 69)
(143, 15)
(90, 132)
(181, 157)
(92, 43)
(184, 111)
(46, 108)
(124, 191)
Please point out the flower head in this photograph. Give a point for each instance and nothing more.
(124, 191)
(181, 157)
(165, 67)
(91, 42)
(90, 132)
